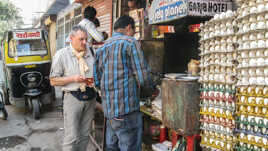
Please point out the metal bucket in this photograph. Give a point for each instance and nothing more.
(180, 105)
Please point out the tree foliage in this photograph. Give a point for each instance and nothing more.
(9, 17)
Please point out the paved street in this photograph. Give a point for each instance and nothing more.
(22, 133)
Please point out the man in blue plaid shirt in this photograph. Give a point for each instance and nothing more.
(120, 70)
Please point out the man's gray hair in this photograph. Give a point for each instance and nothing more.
(77, 28)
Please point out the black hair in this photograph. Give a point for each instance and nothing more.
(136, 1)
(96, 22)
(90, 12)
(123, 22)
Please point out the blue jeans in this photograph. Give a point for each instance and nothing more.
(124, 133)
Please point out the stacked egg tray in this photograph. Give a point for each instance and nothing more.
(252, 74)
(217, 78)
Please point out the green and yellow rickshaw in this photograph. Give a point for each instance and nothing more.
(26, 65)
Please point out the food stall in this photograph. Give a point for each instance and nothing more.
(169, 53)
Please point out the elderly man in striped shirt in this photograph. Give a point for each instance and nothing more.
(120, 70)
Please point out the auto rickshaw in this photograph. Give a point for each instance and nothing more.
(26, 66)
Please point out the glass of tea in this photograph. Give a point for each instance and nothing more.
(89, 81)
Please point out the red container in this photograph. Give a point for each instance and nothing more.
(174, 138)
(155, 131)
(163, 134)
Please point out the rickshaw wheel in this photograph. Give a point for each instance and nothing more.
(29, 103)
(36, 108)
(7, 102)
(5, 115)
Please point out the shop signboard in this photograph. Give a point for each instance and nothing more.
(162, 11)
(167, 10)
(33, 34)
(208, 7)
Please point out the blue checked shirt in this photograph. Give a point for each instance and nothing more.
(118, 70)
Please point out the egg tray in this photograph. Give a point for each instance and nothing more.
(245, 148)
(215, 52)
(251, 49)
(247, 123)
(241, 2)
(214, 147)
(225, 124)
(218, 97)
(247, 67)
(222, 90)
(247, 132)
(216, 37)
(218, 41)
(251, 31)
(250, 84)
(222, 65)
(240, 75)
(256, 36)
(252, 143)
(261, 132)
(214, 21)
(224, 132)
(220, 137)
(217, 102)
(205, 147)
(252, 92)
(239, 19)
(251, 104)
(218, 70)
(231, 109)
(230, 73)
(260, 102)
(252, 132)
(250, 39)
(228, 79)
(261, 55)
(203, 79)
(216, 82)
(238, 113)
(256, 57)
(223, 33)
(239, 16)
(216, 115)
(210, 25)
(218, 90)
(252, 110)
(219, 140)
